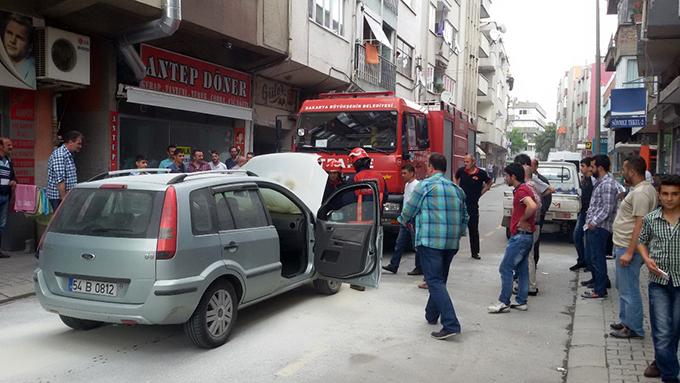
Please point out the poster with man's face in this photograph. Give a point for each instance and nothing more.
(17, 59)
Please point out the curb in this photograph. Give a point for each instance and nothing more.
(16, 297)
(587, 357)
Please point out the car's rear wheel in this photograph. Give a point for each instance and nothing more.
(80, 324)
(326, 287)
(213, 319)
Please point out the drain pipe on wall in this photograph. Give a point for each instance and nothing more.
(156, 29)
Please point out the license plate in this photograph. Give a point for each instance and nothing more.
(86, 286)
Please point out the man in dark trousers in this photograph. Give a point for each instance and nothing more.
(586, 193)
(8, 181)
(474, 182)
(546, 200)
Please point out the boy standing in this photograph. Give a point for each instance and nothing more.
(660, 250)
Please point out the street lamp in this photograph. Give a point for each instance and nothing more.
(598, 67)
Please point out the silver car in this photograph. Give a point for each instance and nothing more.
(194, 248)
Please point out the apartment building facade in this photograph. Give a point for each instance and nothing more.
(494, 93)
(529, 118)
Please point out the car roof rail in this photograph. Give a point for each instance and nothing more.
(183, 177)
(127, 172)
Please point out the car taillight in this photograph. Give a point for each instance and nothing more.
(47, 229)
(167, 233)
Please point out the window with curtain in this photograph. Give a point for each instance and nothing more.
(328, 13)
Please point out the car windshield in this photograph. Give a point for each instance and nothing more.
(109, 213)
(347, 130)
(560, 177)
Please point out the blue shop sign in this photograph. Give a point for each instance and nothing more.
(629, 108)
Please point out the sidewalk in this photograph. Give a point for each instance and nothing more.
(594, 355)
(16, 276)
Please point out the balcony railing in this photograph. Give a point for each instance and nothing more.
(383, 74)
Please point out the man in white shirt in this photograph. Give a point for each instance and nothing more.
(405, 236)
(215, 163)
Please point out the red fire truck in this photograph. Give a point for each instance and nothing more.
(392, 130)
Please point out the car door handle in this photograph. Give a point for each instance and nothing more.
(231, 247)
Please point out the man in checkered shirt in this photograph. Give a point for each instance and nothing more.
(61, 168)
(659, 245)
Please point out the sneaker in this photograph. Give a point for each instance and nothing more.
(519, 307)
(592, 295)
(476, 256)
(498, 307)
(443, 334)
(610, 256)
(652, 371)
(577, 267)
(625, 333)
(616, 326)
(422, 285)
(416, 271)
(391, 268)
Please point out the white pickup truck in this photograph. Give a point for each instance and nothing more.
(566, 201)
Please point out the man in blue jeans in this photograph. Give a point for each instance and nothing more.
(8, 181)
(405, 236)
(438, 207)
(516, 258)
(660, 250)
(586, 193)
(598, 227)
(627, 225)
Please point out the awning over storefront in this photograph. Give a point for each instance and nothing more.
(171, 101)
(480, 152)
(377, 30)
(628, 108)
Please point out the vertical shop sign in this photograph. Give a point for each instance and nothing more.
(22, 134)
(113, 135)
(240, 140)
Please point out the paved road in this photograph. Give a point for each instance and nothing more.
(371, 336)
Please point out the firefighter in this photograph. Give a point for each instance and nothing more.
(361, 162)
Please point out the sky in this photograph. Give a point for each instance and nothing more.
(545, 38)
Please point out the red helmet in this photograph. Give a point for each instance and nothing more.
(357, 154)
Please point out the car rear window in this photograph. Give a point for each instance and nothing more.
(118, 213)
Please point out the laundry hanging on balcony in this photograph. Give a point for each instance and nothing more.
(372, 56)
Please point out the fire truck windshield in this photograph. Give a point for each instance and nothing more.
(347, 130)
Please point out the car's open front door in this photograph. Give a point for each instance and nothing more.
(348, 236)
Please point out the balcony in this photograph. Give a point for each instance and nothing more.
(484, 47)
(443, 51)
(489, 64)
(662, 20)
(610, 58)
(382, 75)
(485, 8)
(482, 86)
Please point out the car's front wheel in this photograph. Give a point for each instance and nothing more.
(213, 319)
(80, 324)
(326, 287)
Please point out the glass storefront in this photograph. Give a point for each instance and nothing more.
(676, 151)
(665, 150)
(149, 130)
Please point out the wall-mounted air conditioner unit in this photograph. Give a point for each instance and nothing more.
(62, 57)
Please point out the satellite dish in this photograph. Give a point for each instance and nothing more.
(446, 96)
(502, 28)
(495, 34)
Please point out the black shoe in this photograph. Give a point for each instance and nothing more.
(577, 266)
(443, 334)
(533, 293)
(416, 271)
(609, 284)
(616, 326)
(652, 371)
(476, 256)
(357, 287)
(586, 283)
(391, 268)
(3, 255)
(625, 333)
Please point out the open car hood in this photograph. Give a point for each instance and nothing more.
(299, 172)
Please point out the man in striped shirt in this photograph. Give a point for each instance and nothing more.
(599, 221)
(659, 245)
(438, 206)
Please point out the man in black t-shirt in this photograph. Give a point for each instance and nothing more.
(474, 182)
